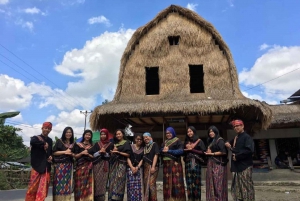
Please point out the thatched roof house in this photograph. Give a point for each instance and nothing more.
(177, 67)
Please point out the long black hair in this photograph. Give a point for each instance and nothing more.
(85, 132)
(195, 136)
(217, 135)
(63, 136)
(123, 132)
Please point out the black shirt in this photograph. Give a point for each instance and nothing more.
(243, 150)
(196, 152)
(108, 147)
(125, 148)
(150, 153)
(39, 155)
(60, 146)
(136, 155)
(219, 146)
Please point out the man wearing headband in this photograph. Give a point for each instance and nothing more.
(41, 151)
(242, 147)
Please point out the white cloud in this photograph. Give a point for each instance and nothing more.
(192, 6)
(4, 2)
(14, 94)
(97, 64)
(59, 122)
(100, 19)
(260, 98)
(33, 10)
(273, 67)
(264, 46)
(25, 24)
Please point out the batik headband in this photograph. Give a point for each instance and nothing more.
(47, 125)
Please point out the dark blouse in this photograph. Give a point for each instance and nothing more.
(60, 146)
(149, 152)
(122, 148)
(175, 150)
(219, 146)
(136, 155)
(103, 156)
(38, 154)
(195, 153)
(78, 148)
(243, 150)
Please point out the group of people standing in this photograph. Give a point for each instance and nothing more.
(110, 164)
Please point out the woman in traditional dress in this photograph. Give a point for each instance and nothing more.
(194, 149)
(101, 153)
(135, 170)
(84, 182)
(63, 166)
(117, 177)
(150, 164)
(173, 182)
(216, 174)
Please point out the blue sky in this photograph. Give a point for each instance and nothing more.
(58, 57)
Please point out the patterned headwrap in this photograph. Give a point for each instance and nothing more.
(237, 122)
(106, 140)
(47, 125)
(172, 131)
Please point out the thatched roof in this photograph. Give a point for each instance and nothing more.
(200, 43)
(285, 114)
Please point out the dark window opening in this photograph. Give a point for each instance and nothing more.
(152, 81)
(174, 40)
(196, 79)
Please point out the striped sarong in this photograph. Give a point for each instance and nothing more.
(242, 185)
(62, 181)
(38, 186)
(149, 183)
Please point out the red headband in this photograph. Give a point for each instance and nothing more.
(47, 125)
(237, 122)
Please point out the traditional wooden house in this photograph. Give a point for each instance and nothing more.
(177, 71)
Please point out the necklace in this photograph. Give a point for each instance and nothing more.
(147, 149)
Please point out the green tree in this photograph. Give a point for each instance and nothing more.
(11, 144)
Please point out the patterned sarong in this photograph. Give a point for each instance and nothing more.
(216, 182)
(173, 183)
(149, 184)
(100, 180)
(134, 185)
(117, 181)
(62, 181)
(84, 182)
(38, 186)
(242, 185)
(193, 180)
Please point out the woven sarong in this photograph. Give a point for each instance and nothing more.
(134, 185)
(173, 183)
(84, 182)
(242, 185)
(193, 180)
(149, 184)
(216, 182)
(38, 186)
(100, 180)
(62, 181)
(117, 181)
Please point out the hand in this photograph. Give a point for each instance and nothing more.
(208, 150)
(102, 150)
(85, 152)
(188, 146)
(233, 157)
(115, 148)
(46, 146)
(49, 160)
(208, 153)
(166, 149)
(68, 152)
(228, 145)
(152, 170)
(115, 151)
